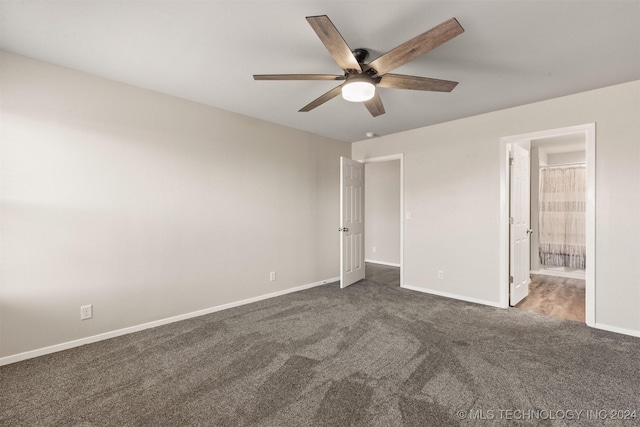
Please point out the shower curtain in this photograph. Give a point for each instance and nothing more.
(562, 216)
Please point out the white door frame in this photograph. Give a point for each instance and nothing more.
(400, 157)
(589, 131)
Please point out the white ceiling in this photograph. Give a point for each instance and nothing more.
(562, 144)
(511, 53)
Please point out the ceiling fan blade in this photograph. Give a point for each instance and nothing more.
(322, 99)
(334, 42)
(374, 105)
(417, 46)
(298, 77)
(400, 81)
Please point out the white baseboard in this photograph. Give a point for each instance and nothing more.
(112, 334)
(617, 329)
(454, 296)
(390, 264)
(557, 273)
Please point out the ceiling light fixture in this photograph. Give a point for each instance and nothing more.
(358, 88)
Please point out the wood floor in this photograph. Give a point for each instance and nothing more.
(382, 273)
(555, 296)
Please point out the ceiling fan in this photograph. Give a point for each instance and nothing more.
(360, 78)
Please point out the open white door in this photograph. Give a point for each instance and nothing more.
(351, 221)
(520, 230)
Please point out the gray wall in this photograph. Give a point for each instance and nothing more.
(452, 189)
(148, 206)
(563, 158)
(382, 212)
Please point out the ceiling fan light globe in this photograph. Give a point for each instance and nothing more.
(358, 91)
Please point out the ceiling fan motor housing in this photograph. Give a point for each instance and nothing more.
(361, 55)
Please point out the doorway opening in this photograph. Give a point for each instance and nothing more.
(383, 220)
(551, 271)
(558, 195)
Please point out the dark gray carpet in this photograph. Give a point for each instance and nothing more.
(369, 355)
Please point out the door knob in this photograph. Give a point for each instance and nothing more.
(345, 230)
(529, 230)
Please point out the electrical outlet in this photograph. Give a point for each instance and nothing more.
(86, 312)
(272, 276)
(440, 274)
(373, 250)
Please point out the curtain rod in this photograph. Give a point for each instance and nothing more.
(565, 165)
